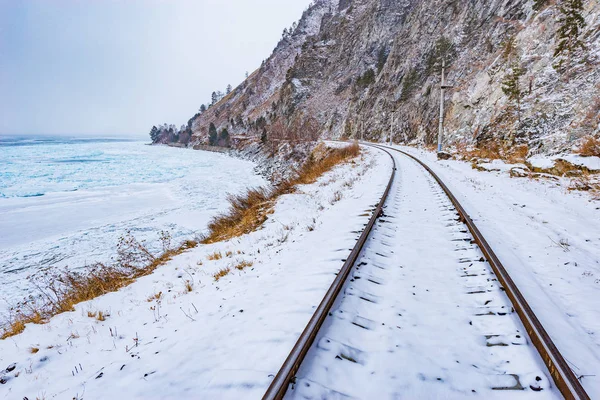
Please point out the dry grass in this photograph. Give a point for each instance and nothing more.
(221, 273)
(516, 154)
(33, 350)
(492, 150)
(244, 264)
(215, 256)
(246, 213)
(155, 296)
(60, 291)
(249, 211)
(189, 286)
(590, 147)
(228, 253)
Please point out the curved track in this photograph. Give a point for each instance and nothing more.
(423, 314)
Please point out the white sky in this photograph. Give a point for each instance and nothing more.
(117, 67)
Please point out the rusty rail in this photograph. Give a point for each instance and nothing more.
(289, 368)
(561, 373)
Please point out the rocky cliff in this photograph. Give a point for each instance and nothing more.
(372, 67)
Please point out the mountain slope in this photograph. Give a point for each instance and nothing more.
(365, 66)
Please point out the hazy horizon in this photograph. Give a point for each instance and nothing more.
(114, 69)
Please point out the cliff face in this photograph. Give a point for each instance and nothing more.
(373, 66)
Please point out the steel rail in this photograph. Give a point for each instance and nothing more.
(564, 378)
(287, 372)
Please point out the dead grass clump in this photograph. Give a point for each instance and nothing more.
(492, 150)
(61, 290)
(16, 325)
(246, 213)
(33, 350)
(249, 211)
(14, 328)
(221, 273)
(244, 264)
(155, 296)
(314, 167)
(590, 147)
(215, 256)
(189, 285)
(516, 154)
(489, 150)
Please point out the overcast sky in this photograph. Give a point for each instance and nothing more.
(112, 67)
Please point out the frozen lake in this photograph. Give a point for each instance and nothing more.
(65, 202)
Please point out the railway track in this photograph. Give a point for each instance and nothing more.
(423, 308)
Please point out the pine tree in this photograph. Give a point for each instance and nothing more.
(224, 138)
(512, 87)
(214, 98)
(212, 134)
(154, 133)
(228, 90)
(263, 136)
(569, 32)
(202, 108)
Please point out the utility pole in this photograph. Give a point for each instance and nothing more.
(392, 129)
(362, 131)
(443, 86)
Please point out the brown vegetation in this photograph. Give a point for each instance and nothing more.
(244, 264)
(221, 273)
(492, 150)
(590, 146)
(61, 290)
(215, 256)
(155, 296)
(249, 211)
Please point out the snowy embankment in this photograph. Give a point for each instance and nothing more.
(179, 333)
(66, 203)
(548, 238)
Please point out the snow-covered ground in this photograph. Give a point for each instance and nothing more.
(227, 338)
(67, 202)
(548, 238)
(421, 317)
(224, 339)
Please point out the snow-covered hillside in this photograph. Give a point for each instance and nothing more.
(371, 67)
